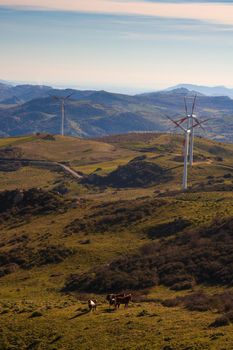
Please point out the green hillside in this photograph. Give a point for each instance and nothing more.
(66, 241)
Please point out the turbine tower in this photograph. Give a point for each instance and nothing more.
(188, 132)
(62, 103)
(191, 119)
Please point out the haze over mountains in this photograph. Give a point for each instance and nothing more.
(206, 90)
(26, 109)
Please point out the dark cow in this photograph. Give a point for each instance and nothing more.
(123, 300)
(111, 298)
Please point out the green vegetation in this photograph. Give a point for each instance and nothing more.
(67, 242)
(194, 257)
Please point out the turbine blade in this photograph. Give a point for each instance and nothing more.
(200, 123)
(180, 121)
(174, 122)
(185, 105)
(66, 98)
(194, 102)
(202, 127)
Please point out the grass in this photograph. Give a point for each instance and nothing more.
(13, 141)
(72, 149)
(102, 168)
(64, 322)
(28, 177)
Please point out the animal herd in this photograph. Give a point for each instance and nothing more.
(113, 299)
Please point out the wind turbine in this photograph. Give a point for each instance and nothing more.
(187, 131)
(62, 102)
(191, 120)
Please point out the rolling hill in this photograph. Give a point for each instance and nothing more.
(64, 241)
(27, 109)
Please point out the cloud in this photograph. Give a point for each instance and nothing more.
(208, 11)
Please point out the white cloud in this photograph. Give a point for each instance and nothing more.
(214, 12)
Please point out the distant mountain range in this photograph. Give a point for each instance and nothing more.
(206, 90)
(26, 109)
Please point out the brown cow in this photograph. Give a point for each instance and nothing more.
(123, 300)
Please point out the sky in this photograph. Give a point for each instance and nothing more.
(117, 45)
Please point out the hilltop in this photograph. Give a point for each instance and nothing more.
(65, 240)
(206, 90)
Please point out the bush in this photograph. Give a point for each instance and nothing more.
(200, 301)
(200, 256)
(27, 258)
(167, 229)
(220, 322)
(184, 285)
(171, 302)
(21, 203)
(137, 173)
(197, 302)
(36, 314)
(111, 216)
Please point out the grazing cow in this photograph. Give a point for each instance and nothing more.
(112, 302)
(92, 305)
(123, 300)
(111, 298)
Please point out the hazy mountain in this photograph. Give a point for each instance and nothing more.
(206, 90)
(27, 109)
(5, 82)
(21, 93)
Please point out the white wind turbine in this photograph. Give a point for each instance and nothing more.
(191, 120)
(62, 102)
(187, 131)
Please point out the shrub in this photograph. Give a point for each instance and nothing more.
(197, 302)
(184, 285)
(200, 256)
(111, 216)
(171, 302)
(22, 203)
(220, 322)
(137, 172)
(36, 314)
(167, 229)
(27, 258)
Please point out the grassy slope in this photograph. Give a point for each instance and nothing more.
(64, 324)
(28, 177)
(76, 151)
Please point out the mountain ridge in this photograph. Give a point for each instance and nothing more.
(219, 90)
(27, 109)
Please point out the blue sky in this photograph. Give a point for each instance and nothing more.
(118, 50)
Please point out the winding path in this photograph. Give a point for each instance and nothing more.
(44, 163)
